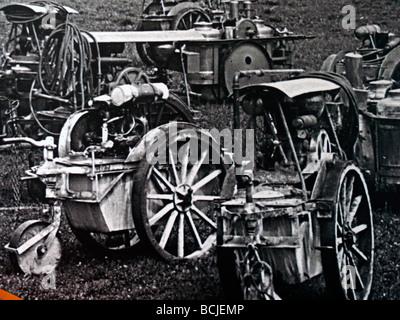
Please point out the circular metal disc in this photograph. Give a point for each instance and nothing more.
(245, 56)
(37, 259)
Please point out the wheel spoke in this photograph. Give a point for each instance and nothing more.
(359, 228)
(340, 228)
(359, 253)
(164, 180)
(353, 209)
(195, 169)
(340, 221)
(159, 184)
(206, 180)
(191, 20)
(159, 115)
(181, 236)
(156, 196)
(352, 285)
(339, 237)
(126, 78)
(198, 18)
(205, 198)
(349, 192)
(185, 162)
(194, 230)
(358, 276)
(341, 257)
(160, 214)
(175, 172)
(168, 229)
(184, 24)
(199, 213)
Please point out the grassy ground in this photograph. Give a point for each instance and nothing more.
(82, 276)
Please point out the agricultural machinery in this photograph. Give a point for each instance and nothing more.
(380, 53)
(51, 69)
(232, 38)
(305, 209)
(125, 161)
(373, 72)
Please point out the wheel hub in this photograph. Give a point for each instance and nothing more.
(183, 198)
(350, 238)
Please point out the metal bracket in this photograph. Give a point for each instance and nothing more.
(49, 232)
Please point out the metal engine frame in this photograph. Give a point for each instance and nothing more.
(289, 220)
(231, 38)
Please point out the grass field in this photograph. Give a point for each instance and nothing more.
(82, 276)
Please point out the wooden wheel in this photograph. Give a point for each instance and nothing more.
(39, 258)
(173, 204)
(347, 238)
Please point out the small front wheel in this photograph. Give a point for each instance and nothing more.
(40, 258)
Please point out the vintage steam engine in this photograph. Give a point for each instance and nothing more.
(305, 208)
(373, 71)
(233, 38)
(41, 89)
(31, 25)
(380, 54)
(112, 190)
(128, 163)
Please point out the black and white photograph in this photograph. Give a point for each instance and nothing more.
(212, 151)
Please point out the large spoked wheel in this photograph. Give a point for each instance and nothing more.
(348, 239)
(174, 200)
(41, 258)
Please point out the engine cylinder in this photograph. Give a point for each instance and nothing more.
(364, 32)
(304, 122)
(147, 91)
